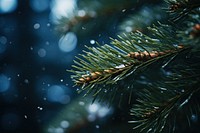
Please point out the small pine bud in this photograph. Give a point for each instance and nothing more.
(195, 31)
(175, 6)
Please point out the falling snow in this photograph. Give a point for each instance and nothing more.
(40, 108)
(83, 28)
(92, 41)
(123, 10)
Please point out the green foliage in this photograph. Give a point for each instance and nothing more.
(189, 34)
(109, 72)
(180, 9)
(161, 104)
(115, 67)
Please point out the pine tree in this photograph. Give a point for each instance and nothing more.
(153, 64)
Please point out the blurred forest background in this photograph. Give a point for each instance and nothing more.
(38, 45)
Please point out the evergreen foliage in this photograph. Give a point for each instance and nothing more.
(110, 71)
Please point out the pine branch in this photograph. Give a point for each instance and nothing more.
(66, 24)
(109, 72)
(104, 69)
(191, 31)
(160, 104)
(181, 8)
(153, 114)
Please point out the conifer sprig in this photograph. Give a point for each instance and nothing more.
(110, 72)
(181, 8)
(191, 31)
(160, 104)
(102, 69)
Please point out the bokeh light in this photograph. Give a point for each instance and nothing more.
(42, 52)
(57, 94)
(7, 6)
(194, 118)
(93, 108)
(36, 26)
(61, 8)
(4, 83)
(64, 124)
(103, 111)
(3, 41)
(68, 42)
(39, 5)
(96, 110)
